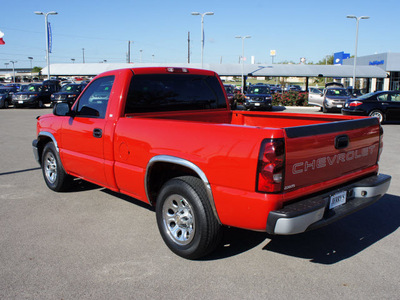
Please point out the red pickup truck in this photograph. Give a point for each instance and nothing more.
(167, 137)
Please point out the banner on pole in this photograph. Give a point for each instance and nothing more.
(50, 37)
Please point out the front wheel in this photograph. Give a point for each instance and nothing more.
(378, 114)
(53, 172)
(185, 218)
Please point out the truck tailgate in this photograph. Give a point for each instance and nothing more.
(320, 155)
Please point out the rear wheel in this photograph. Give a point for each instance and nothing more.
(53, 172)
(378, 114)
(185, 218)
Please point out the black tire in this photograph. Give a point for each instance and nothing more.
(6, 104)
(53, 171)
(324, 109)
(40, 104)
(378, 114)
(185, 218)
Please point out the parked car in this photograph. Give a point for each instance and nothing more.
(294, 88)
(6, 96)
(258, 97)
(332, 98)
(385, 105)
(37, 95)
(275, 88)
(68, 93)
(230, 93)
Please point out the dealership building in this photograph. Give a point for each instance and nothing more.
(373, 72)
(388, 62)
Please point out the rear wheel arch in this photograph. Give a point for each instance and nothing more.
(43, 139)
(162, 168)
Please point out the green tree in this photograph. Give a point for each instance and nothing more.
(36, 69)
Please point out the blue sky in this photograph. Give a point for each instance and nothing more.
(295, 29)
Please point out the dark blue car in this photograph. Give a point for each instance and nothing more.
(68, 93)
(258, 97)
(385, 105)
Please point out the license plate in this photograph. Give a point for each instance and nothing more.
(337, 199)
(20, 102)
(257, 104)
(339, 106)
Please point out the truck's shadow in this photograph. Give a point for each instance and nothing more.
(327, 245)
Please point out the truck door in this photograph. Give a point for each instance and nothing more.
(82, 136)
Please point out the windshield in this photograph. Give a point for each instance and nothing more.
(24, 88)
(258, 90)
(70, 88)
(337, 92)
(33, 88)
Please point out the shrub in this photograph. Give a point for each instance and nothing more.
(290, 99)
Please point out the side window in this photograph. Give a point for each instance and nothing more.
(396, 97)
(94, 101)
(383, 97)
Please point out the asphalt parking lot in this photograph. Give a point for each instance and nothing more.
(91, 243)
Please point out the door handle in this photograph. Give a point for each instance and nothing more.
(97, 133)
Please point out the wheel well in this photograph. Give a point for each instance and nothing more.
(160, 173)
(42, 142)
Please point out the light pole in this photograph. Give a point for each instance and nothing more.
(141, 51)
(46, 24)
(243, 38)
(355, 52)
(129, 52)
(30, 59)
(13, 62)
(83, 55)
(202, 31)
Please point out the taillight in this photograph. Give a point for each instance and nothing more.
(355, 103)
(271, 162)
(380, 141)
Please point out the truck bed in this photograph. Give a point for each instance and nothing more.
(248, 118)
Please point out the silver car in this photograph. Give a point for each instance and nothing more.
(332, 98)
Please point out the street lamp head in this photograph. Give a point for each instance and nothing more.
(29, 57)
(195, 13)
(364, 17)
(52, 13)
(209, 13)
(39, 13)
(351, 17)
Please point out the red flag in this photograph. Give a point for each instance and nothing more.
(1, 38)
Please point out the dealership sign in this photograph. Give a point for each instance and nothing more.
(377, 62)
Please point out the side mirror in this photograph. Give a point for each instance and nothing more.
(62, 109)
